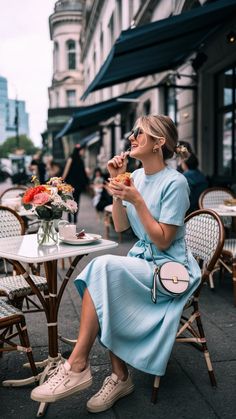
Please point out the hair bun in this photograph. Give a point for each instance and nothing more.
(182, 151)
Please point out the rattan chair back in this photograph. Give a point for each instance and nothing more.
(212, 197)
(13, 192)
(11, 224)
(205, 237)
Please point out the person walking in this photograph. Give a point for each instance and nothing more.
(116, 290)
(75, 174)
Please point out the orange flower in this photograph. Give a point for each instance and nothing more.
(30, 193)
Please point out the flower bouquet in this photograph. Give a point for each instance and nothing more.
(48, 202)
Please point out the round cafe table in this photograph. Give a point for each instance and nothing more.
(25, 249)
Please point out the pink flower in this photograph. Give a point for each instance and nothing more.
(71, 205)
(41, 198)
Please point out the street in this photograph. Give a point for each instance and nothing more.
(185, 390)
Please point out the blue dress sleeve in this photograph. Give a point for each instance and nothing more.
(175, 202)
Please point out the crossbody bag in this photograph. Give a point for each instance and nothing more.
(173, 277)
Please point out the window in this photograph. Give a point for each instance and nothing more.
(119, 16)
(131, 11)
(56, 56)
(101, 48)
(71, 54)
(94, 62)
(111, 30)
(226, 122)
(70, 98)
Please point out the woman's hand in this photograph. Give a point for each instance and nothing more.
(117, 165)
(124, 192)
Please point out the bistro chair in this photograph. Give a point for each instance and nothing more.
(10, 197)
(213, 197)
(210, 198)
(12, 324)
(13, 286)
(13, 192)
(205, 239)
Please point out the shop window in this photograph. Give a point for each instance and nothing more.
(226, 122)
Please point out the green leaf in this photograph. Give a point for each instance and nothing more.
(27, 206)
(44, 213)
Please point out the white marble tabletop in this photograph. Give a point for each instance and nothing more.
(225, 210)
(26, 249)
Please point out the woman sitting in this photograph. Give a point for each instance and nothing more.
(116, 290)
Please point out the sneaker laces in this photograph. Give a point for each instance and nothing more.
(108, 386)
(56, 375)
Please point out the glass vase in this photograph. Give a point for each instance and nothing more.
(47, 235)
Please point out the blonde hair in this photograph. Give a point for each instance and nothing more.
(162, 126)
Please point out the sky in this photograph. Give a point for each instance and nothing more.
(26, 57)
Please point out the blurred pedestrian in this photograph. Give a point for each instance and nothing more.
(105, 196)
(54, 169)
(37, 167)
(178, 159)
(197, 181)
(75, 174)
(97, 185)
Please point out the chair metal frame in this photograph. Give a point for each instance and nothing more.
(25, 296)
(191, 328)
(12, 324)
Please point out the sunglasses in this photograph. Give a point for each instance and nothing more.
(135, 132)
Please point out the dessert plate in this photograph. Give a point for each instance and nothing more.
(88, 238)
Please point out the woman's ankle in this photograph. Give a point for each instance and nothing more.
(77, 365)
(122, 375)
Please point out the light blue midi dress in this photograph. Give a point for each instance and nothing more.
(134, 328)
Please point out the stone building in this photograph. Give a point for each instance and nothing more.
(196, 87)
(65, 25)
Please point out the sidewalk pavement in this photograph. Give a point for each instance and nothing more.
(185, 390)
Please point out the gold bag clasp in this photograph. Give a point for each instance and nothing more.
(175, 279)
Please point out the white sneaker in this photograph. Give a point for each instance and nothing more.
(111, 390)
(62, 382)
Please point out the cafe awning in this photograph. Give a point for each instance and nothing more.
(89, 139)
(91, 115)
(161, 45)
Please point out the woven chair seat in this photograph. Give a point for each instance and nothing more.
(7, 310)
(16, 286)
(230, 246)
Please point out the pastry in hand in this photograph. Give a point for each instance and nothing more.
(124, 178)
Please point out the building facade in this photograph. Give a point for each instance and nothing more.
(13, 116)
(200, 96)
(65, 25)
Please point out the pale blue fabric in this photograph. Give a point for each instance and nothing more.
(131, 325)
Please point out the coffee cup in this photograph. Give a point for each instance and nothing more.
(66, 230)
